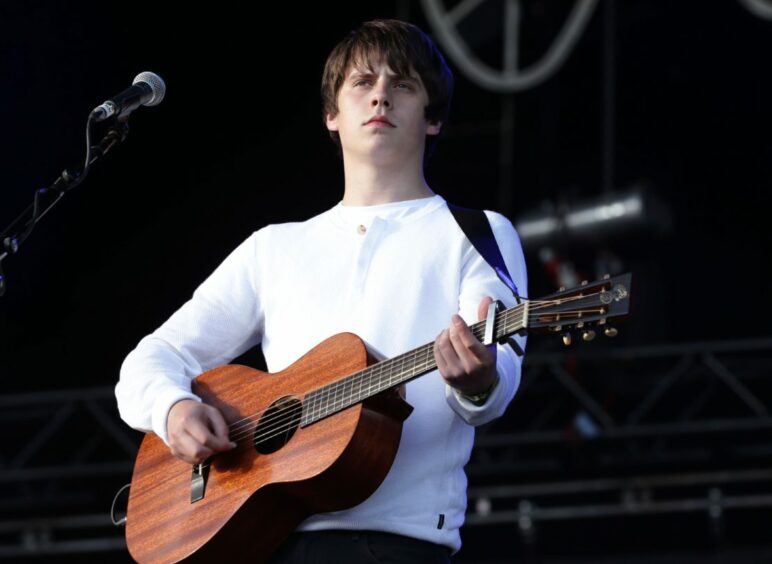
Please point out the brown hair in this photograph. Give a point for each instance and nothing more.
(402, 46)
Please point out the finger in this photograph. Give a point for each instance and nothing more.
(445, 347)
(470, 351)
(449, 369)
(218, 444)
(190, 449)
(482, 309)
(220, 430)
(203, 435)
(438, 355)
(466, 362)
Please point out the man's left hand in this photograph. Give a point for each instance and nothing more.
(464, 362)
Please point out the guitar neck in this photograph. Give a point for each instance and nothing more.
(392, 372)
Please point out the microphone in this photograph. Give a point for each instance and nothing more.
(148, 89)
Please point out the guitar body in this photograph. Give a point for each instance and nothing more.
(253, 500)
(282, 472)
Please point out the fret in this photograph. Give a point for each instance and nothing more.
(310, 404)
(325, 402)
(315, 403)
(394, 376)
(334, 401)
(371, 379)
(413, 362)
(358, 395)
(306, 407)
(310, 407)
(347, 388)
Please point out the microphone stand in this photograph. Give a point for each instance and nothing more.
(11, 239)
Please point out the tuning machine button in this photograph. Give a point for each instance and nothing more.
(566, 338)
(588, 335)
(610, 332)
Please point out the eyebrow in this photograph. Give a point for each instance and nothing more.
(369, 74)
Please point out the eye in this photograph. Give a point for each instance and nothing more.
(362, 82)
(403, 86)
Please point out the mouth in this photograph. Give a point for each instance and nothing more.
(379, 121)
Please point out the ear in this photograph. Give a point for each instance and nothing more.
(433, 128)
(332, 122)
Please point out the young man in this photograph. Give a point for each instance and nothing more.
(388, 263)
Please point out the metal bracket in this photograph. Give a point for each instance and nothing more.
(490, 330)
(490, 322)
(198, 482)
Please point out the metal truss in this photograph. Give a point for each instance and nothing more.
(630, 432)
(594, 434)
(63, 456)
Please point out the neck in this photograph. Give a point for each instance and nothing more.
(392, 372)
(370, 185)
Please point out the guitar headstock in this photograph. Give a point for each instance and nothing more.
(591, 305)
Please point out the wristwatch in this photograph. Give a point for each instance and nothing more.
(482, 397)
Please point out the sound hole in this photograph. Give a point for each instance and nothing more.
(277, 425)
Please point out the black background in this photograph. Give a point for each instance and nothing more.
(239, 143)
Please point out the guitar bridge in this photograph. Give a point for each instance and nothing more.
(198, 482)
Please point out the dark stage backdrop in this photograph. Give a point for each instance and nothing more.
(239, 143)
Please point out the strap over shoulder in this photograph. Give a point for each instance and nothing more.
(477, 228)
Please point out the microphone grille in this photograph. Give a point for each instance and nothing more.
(156, 84)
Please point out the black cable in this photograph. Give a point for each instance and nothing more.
(9, 243)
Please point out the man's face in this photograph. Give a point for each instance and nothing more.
(381, 115)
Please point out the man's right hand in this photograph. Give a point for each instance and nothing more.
(196, 431)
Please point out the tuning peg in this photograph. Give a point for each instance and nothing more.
(588, 335)
(566, 338)
(610, 332)
(584, 283)
(606, 276)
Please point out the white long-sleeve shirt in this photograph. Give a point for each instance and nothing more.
(393, 274)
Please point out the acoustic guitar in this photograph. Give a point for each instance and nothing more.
(318, 436)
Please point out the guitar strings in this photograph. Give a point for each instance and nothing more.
(246, 424)
(513, 312)
(364, 378)
(289, 413)
(333, 388)
(372, 373)
(286, 418)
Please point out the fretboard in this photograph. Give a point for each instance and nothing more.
(392, 372)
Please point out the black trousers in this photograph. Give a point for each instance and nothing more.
(358, 547)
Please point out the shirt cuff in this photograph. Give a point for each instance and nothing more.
(161, 407)
(496, 403)
(470, 405)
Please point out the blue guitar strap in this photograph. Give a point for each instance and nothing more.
(477, 228)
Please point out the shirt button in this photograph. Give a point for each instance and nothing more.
(361, 229)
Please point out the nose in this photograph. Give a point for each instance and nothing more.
(380, 96)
